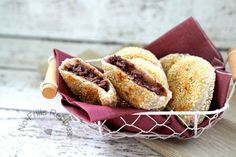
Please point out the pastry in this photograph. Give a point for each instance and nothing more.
(169, 60)
(134, 84)
(192, 81)
(136, 52)
(87, 82)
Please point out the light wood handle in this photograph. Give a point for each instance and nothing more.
(49, 85)
(232, 62)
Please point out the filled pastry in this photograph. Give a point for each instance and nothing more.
(192, 81)
(87, 82)
(135, 84)
(136, 52)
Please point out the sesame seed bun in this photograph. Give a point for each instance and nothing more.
(192, 81)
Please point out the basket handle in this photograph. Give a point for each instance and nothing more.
(232, 62)
(49, 85)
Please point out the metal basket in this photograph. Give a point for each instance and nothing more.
(212, 116)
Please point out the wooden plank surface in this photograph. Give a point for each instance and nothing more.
(219, 140)
(15, 51)
(38, 51)
(110, 21)
(46, 136)
(20, 90)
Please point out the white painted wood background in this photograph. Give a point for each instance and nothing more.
(29, 30)
(133, 21)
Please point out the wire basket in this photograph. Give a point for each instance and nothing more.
(212, 118)
(121, 131)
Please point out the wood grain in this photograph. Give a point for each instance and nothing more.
(15, 51)
(20, 90)
(110, 21)
(46, 136)
(38, 51)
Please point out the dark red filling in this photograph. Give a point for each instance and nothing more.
(136, 75)
(88, 74)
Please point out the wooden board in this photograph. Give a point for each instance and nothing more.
(45, 135)
(16, 51)
(219, 140)
(37, 51)
(110, 21)
(20, 89)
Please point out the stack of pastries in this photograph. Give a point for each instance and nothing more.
(135, 76)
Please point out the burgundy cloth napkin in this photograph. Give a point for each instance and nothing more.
(187, 37)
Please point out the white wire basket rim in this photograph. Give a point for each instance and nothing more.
(226, 106)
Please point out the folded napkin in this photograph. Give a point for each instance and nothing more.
(187, 37)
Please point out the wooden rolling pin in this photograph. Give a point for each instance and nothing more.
(232, 62)
(49, 85)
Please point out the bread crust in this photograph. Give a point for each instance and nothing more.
(136, 52)
(87, 91)
(169, 60)
(192, 81)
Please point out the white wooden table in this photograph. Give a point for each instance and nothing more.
(29, 30)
